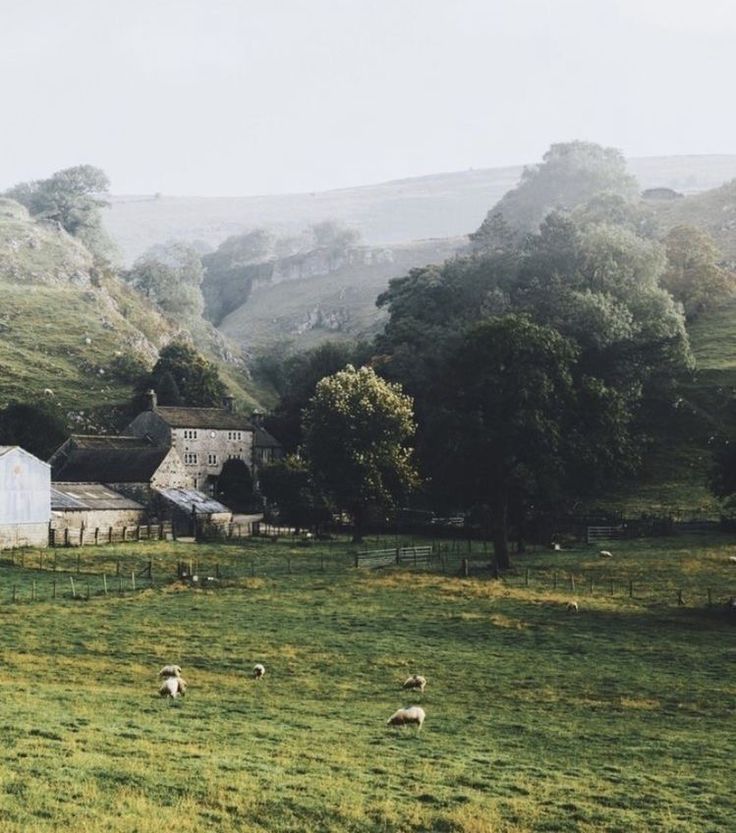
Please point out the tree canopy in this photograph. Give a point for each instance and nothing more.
(170, 275)
(196, 379)
(356, 429)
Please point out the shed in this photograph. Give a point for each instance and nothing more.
(184, 507)
(93, 506)
(25, 499)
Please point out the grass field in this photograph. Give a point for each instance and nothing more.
(616, 719)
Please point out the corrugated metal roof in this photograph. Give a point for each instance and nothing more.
(218, 418)
(88, 496)
(185, 499)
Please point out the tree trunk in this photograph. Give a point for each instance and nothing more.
(499, 523)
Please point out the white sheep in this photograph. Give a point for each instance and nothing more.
(572, 607)
(411, 715)
(415, 682)
(170, 671)
(732, 559)
(605, 554)
(48, 392)
(173, 687)
(258, 671)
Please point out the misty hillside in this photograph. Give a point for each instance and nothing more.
(335, 302)
(68, 331)
(439, 205)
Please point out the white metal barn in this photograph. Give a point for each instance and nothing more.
(25, 499)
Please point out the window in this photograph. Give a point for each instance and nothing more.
(211, 459)
(235, 435)
(190, 433)
(191, 459)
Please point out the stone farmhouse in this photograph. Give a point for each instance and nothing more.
(205, 438)
(25, 499)
(134, 466)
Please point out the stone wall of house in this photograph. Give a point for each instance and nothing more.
(150, 424)
(101, 519)
(172, 473)
(212, 449)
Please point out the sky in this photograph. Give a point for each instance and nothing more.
(237, 97)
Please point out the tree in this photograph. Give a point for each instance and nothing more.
(356, 426)
(571, 173)
(288, 485)
(170, 275)
(73, 198)
(39, 429)
(693, 275)
(167, 391)
(235, 485)
(197, 379)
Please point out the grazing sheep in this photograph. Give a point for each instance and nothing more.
(556, 547)
(173, 687)
(170, 671)
(732, 559)
(572, 607)
(411, 715)
(605, 554)
(48, 392)
(415, 682)
(258, 671)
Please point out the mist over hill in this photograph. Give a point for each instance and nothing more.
(438, 205)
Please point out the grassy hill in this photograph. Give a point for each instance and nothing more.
(537, 720)
(67, 326)
(336, 305)
(439, 205)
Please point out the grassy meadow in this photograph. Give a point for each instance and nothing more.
(618, 718)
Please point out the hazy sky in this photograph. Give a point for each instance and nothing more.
(242, 97)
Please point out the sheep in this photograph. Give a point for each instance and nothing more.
(555, 547)
(415, 682)
(173, 687)
(258, 671)
(572, 607)
(408, 715)
(48, 392)
(170, 671)
(732, 559)
(605, 554)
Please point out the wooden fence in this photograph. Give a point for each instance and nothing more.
(80, 536)
(398, 556)
(599, 534)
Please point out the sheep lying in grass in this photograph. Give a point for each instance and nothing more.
(258, 671)
(411, 715)
(605, 554)
(173, 687)
(572, 607)
(416, 682)
(170, 671)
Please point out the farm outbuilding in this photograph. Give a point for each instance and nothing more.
(25, 499)
(92, 506)
(188, 509)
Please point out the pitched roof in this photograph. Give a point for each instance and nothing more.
(217, 418)
(263, 439)
(187, 499)
(108, 441)
(6, 449)
(65, 496)
(127, 464)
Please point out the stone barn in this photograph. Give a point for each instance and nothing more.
(92, 506)
(25, 499)
(190, 511)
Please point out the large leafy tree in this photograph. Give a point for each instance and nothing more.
(288, 486)
(196, 379)
(571, 173)
(72, 197)
(357, 427)
(170, 275)
(38, 428)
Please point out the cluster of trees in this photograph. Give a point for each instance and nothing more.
(182, 376)
(537, 365)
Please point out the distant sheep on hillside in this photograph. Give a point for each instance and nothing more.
(732, 559)
(258, 671)
(572, 607)
(170, 671)
(173, 687)
(409, 716)
(605, 554)
(416, 682)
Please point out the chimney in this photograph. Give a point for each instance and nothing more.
(229, 401)
(151, 400)
(257, 418)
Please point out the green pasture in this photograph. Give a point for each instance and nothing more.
(619, 718)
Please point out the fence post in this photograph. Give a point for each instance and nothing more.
(322, 563)
(132, 579)
(81, 535)
(591, 585)
(464, 568)
(120, 585)
(15, 592)
(87, 594)
(109, 535)
(33, 591)
(40, 560)
(572, 583)
(104, 583)
(117, 567)
(526, 577)
(631, 588)
(66, 537)
(53, 589)
(74, 591)
(356, 559)
(97, 535)
(680, 600)
(125, 533)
